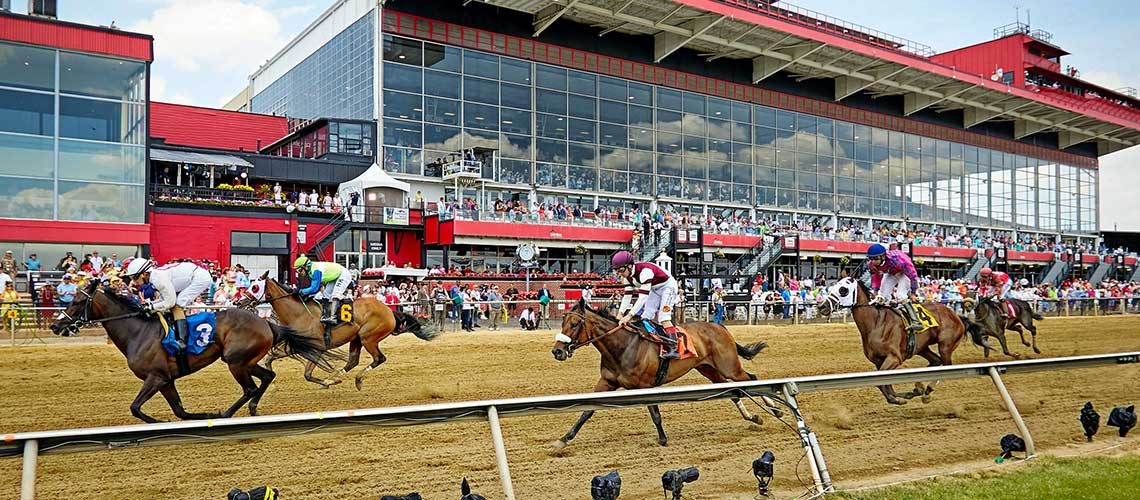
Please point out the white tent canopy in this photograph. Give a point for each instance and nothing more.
(374, 177)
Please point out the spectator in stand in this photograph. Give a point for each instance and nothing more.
(8, 265)
(32, 263)
(9, 301)
(467, 309)
(495, 310)
(45, 300)
(544, 299)
(527, 319)
(4, 280)
(66, 291)
(86, 266)
(718, 305)
(96, 261)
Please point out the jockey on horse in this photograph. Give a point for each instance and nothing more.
(178, 285)
(894, 278)
(656, 292)
(328, 281)
(995, 285)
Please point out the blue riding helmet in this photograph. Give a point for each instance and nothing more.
(876, 250)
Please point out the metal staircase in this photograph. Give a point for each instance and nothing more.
(648, 252)
(757, 259)
(338, 224)
(1135, 273)
(1101, 272)
(1055, 272)
(979, 261)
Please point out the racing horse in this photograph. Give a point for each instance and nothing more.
(372, 321)
(630, 362)
(884, 334)
(241, 339)
(988, 317)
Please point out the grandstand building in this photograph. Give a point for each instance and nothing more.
(708, 106)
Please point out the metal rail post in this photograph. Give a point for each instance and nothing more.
(996, 377)
(28, 477)
(805, 439)
(500, 453)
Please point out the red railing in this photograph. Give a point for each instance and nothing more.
(1098, 104)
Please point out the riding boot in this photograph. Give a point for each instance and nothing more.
(911, 315)
(669, 338)
(331, 312)
(326, 311)
(181, 333)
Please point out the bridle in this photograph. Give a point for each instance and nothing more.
(77, 323)
(570, 348)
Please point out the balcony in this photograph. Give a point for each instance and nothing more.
(1036, 61)
(1091, 101)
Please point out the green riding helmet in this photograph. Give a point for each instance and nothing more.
(302, 262)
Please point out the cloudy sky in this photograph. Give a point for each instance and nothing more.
(206, 49)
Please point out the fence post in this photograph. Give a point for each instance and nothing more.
(500, 453)
(28, 477)
(996, 377)
(815, 458)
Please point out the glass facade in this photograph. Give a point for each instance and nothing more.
(333, 82)
(72, 135)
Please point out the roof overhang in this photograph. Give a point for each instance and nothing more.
(778, 39)
(192, 158)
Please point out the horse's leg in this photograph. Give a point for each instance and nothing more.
(150, 387)
(353, 360)
(1033, 332)
(248, 388)
(890, 363)
(1017, 328)
(601, 386)
(175, 401)
(273, 355)
(309, 367)
(655, 414)
(377, 358)
(920, 388)
(266, 376)
(1004, 348)
(716, 377)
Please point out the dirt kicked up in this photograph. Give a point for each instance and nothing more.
(863, 438)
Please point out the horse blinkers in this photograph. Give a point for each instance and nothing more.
(65, 322)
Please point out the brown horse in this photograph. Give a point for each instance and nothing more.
(241, 339)
(372, 321)
(885, 338)
(988, 317)
(630, 362)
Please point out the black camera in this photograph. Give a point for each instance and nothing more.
(258, 493)
(673, 480)
(607, 487)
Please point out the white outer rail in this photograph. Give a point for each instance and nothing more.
(31, 444)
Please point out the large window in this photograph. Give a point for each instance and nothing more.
(94, 170)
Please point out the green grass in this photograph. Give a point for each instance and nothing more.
(1045, 478)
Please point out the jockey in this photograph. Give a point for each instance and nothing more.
(178, 285)
(656, 294)
(894, 277)
(334, 279)
(996, 285)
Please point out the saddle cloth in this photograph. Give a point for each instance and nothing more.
(923, 317)
(1012, 311)
(200, 337)
(684, 345)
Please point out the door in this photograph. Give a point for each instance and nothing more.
(258, 264)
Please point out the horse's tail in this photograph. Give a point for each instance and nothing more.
(408, 323)
(751, 350)
(975, 331)
(293, 344)
(1035, 315)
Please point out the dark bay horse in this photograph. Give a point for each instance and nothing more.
(884, 334)
(241, 339)
(630, 362)
(988, 316)
(372, 321)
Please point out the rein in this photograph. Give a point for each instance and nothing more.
(591, 340)
(82, 321)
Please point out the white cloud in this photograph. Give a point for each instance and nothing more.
(296, 10)
(159, 92)
(1108, 79)
(213, 35)
(1119, 173)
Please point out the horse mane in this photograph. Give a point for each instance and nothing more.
(121, 300)
(603, 312)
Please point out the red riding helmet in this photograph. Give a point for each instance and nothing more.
(622, 259)
(987, 272)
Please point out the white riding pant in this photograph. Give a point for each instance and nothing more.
(199, 282)
(335, 289)
(895, 286)
(1005, 290)
(659, 305)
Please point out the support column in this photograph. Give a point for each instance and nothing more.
(815, 461)
(28, 477)
(996, 377)
(500, 453)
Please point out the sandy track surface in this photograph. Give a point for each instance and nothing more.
(87, 384)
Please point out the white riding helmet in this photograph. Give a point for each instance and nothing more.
(139, 266)
(1024, 282)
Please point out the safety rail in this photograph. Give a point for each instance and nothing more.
(816, 20)
(31, 444)
(462, 168)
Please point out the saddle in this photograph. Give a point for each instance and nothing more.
(652, 332)
(342, 315)
(923, 317)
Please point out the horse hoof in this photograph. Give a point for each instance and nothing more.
(927, 398)
(1036, 350)
(557, 445)
(359, 384)
(756, 420)
(899, 402)
(663, 441)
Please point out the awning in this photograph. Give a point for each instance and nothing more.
(213, 160)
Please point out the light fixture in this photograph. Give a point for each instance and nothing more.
(763, 468)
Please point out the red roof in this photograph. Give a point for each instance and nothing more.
(183, 125)
(73, 36)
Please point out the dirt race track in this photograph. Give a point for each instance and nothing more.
(68, 386)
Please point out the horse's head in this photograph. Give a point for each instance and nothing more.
(575, 332)
(840, 295)
(266, 289)
(79, 312)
